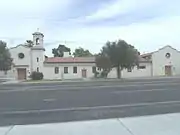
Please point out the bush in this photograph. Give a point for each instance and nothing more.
(104, 74)
(96, 74)
(36, 75)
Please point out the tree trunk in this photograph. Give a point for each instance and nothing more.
(118, 72)
(5, 72)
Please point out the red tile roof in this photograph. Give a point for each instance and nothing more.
(78, 60)
(70, 60)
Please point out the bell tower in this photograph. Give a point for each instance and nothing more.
(38, 38)
(37, 52)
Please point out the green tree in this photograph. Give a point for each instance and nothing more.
(29, 43)
(59, 52)
(121, 54)
(5, 57)
(80, 52)
(104, 63)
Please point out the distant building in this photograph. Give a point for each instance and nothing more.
(164, 62)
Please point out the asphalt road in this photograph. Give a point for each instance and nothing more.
(75, 101)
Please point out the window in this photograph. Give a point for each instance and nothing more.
(129, 69)
(75, 70)
(168, 55)
(37, 41)
(147, 57)
(94, 69)
(66, 70)
(37, 69)
(37, 59)
(21, 55)
(56, 70)
(99, 69)
(141, 67)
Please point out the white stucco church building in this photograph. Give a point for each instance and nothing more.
(164, 62)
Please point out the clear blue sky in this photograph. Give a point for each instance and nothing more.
(146, 24)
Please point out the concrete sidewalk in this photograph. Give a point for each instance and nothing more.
(69, 80)
(166, 124)
(105, 80)
(8, 81)
(135, 79)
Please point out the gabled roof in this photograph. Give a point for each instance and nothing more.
(19, 46)
(70, 60)
(149, 54)
(146, 54)
(166, 47)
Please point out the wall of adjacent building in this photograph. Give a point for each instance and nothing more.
(135, 72)
(50, 74)
(10, 74)
(49, 70)
(159, 61)
(112, 73)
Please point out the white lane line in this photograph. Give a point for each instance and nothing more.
(81, 88)
(146, 90)
(49, 100)
(91, 108)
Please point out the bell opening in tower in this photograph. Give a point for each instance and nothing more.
(37, 41)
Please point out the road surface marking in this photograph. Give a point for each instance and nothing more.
(29, 89)
(90, 108)
(49, 100)
(102, 84)
(146, 90)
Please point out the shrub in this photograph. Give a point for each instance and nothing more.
(96, 74)
(104, 74)
(36, 75)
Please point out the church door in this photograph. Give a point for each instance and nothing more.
(168, 70)
(84, 73)
(21, 73)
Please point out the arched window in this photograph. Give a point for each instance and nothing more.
(37, 69)
(37, 41)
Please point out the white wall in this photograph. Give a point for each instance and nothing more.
(112, 73)
(18, 62)
(159, 61)
(20, 49)
(10, 74)
(66, 54)
(40, 64)
(147, 72)
(50, 74)
(41, 40)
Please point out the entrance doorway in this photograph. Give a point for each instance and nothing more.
(168, 70)
(21, 73)
(84, 73)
